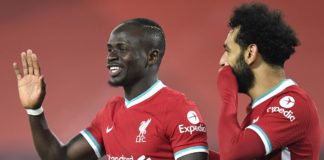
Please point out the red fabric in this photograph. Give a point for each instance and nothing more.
(234, 142)
(281, 124)
(168, 129)
(213, 155)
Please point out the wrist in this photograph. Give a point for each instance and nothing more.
(35, 112)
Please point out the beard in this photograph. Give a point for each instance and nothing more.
(244, 75)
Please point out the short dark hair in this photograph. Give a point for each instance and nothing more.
(275, 39)
(152, 30)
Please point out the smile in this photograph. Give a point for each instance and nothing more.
(114, 70)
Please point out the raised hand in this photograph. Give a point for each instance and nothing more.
(226, 80)
(31, 85)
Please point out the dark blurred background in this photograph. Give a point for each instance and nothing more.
(70, 38)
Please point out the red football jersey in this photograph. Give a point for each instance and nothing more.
(286, 120)
(158, 124)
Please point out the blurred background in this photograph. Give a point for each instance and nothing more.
(70, 39)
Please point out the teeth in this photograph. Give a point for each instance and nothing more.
(114, 69)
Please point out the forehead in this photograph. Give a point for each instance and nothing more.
(126, 33)
(231, 36)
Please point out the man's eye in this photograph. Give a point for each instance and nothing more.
(122, 48)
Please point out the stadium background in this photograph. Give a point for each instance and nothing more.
(70, 39)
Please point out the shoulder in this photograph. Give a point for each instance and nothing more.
(177, 100)
(112, 103)
(293, 103)
(293, 98)
(115, 100)
(178, 107)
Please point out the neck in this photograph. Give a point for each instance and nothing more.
(266, 78)
(139, 87)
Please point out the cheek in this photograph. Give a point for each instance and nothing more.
(231, 61)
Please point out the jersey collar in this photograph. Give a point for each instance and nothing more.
(272, 92)
(158, 85)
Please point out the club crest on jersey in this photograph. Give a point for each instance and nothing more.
(287, 102)
(142, 131)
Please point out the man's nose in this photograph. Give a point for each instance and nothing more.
(223, 60)
(112, 56)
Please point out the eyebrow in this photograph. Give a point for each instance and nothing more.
(118, 43)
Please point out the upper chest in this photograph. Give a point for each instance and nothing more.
(138, 127)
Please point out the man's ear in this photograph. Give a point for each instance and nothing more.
(153, 57)
(251, 54)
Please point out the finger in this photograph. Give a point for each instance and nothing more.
(24, 62)
(17, 71)
(223, 66)
(35, 65)
(30, 62)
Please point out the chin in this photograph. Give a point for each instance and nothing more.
(115, 83)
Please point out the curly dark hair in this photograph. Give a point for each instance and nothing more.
(275, 39)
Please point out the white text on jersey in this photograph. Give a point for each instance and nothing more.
(287, 113)
(190, 129)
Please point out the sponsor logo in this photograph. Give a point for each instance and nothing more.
(287, 113)
(142, 131)
(109, 129)
(191, 129)
(255, 120)
(109, 157)
(192, 117)
(143, 158)
(287, 102)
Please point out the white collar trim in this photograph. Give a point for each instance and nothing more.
(277, 89)
(158, 85)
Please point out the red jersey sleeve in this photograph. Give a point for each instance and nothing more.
(185, 129)
(234, 142)
(285, 121)
(93, 135)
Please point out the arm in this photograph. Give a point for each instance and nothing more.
(194, 156)
(31, 87)
(234, 142)
(188, 136)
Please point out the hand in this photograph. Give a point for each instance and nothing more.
(226, 82)
(31, 85)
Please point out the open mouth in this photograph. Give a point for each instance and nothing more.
(114, 70)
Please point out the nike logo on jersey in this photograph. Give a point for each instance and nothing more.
(109, 129)
(255, 120)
